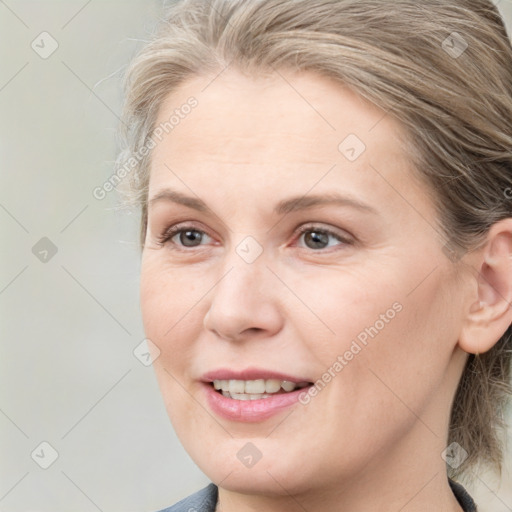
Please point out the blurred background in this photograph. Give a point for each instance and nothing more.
(82, 424)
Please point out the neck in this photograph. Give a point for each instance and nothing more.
(433, 494)
(410, 479)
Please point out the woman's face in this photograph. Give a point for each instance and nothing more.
(307, 252)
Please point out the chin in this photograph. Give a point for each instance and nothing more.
(274, 475)
(268, 481)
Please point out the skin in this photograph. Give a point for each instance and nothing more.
(372, 438)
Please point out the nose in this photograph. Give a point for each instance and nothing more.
(244, 303)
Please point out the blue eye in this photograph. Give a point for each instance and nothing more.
(319, 237)
(188, 236)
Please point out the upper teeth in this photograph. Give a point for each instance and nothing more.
(258, 386)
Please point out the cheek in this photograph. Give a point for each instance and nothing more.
(407, 351)
(376, 324)
(169, 320)
(336, 307)
(168, 298)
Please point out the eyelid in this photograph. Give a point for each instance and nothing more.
(171, 231)
(344, 241)
(175, 229)
(318, 226)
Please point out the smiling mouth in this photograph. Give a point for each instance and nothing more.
(256, 389)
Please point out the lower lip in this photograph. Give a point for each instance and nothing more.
(250, 410)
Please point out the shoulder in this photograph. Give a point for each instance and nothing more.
(204, 500)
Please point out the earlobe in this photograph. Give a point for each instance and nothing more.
(490, 311)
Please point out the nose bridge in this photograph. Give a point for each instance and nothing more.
(243, 298)
(240, 285)
(244, 267)
(244, 274)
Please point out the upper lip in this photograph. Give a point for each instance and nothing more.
(249, 374)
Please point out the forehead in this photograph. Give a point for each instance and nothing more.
(286, 128)
(311, 112)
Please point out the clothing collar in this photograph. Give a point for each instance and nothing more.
(205, 500)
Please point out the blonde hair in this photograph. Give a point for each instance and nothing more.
(442, 68)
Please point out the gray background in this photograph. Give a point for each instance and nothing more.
(70, 320)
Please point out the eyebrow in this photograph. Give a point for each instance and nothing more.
(285, 206)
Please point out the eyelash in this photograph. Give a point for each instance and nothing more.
(169, 233)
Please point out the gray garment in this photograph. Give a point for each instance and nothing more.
(205, 500)
(464, 499)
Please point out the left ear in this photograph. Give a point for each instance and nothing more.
(490, 312)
